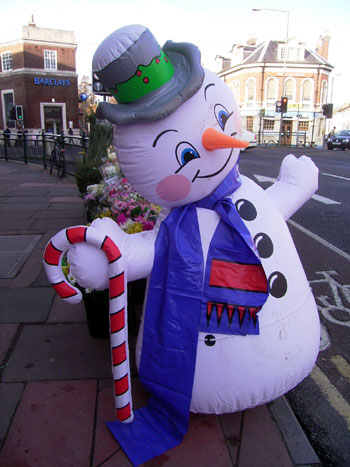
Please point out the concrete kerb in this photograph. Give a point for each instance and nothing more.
(299, 447)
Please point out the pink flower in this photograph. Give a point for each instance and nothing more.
(148, 225)
(121, 219)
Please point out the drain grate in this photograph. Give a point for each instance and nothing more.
(14, 252)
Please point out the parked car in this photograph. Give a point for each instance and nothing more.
(250, 137)
(341, 140)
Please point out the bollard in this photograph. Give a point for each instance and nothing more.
(24, 134)
(43, 144)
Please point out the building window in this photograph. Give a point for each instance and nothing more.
(249, 123)
(235, 90)
(250, 89)
(269, 124)
(7, 99)
(306, 91)
(6, 61)
(50, 59)
(303, 126)
(323, 92)
(271, 90)
(289, 89)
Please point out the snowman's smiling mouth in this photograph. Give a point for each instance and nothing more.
(214, 173)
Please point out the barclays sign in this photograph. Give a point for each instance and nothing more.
(51, 81)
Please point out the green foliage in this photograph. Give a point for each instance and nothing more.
(87, 174)
(100, 138)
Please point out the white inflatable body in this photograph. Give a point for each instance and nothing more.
(232, 372)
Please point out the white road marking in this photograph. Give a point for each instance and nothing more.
(324, 200)
(262, 178)
(321, 199)
(334, 397)
(336, 176)
(320, 240)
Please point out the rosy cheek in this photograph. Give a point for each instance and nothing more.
(173, 188)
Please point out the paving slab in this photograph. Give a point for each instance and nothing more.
(14, 251)
(10, 395)
(63, 312)
(232, 425)
(57, 213)
(61, 351)
(53, 425)
(66, 199)
(262, 444)
(105, 445)
(56, 224)
(14, 207)
(25, 305)
(7, 333)
(64, 205)
(41, 279)
(203, 444)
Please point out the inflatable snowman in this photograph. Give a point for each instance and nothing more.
(229, 320)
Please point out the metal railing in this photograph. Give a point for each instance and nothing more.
(37, 148)
(288, 138)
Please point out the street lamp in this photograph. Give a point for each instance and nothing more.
(285, 55)
(331, 99)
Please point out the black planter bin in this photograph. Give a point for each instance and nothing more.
(97, 309)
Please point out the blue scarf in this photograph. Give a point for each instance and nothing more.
(179, 305)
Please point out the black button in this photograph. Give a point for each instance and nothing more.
(264, 245)
(209, 340)
(246, 209)
(277, 284)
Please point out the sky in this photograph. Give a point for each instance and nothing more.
(213, 25)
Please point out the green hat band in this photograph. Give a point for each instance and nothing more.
(145, 80)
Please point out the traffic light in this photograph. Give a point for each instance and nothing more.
(278, 106)
(98, 87)
(19, 112)
(327, 110)
(284, 104)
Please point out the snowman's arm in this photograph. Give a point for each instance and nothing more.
(89, 265)
(296, 183)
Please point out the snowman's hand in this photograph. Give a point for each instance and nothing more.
(296, 183)
(89, 265)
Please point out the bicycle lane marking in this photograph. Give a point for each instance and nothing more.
(338, 300)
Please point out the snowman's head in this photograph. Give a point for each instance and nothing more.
(177, 126)
(182, 158)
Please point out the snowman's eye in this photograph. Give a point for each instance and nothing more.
(185, 152)
(222, 115)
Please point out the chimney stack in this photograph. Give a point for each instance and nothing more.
(31, 22)
(323, 46)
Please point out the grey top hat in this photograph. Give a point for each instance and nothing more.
(148, 82)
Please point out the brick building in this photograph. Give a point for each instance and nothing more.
(38, 72)
(259, 75)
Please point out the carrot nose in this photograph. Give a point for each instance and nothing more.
(213, 139)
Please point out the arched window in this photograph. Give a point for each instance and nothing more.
(271, 90)
(289, 89)
(250, 90)
(306, 91)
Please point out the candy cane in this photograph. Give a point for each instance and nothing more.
(55, 249)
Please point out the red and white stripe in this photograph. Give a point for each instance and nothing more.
(54, 252)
